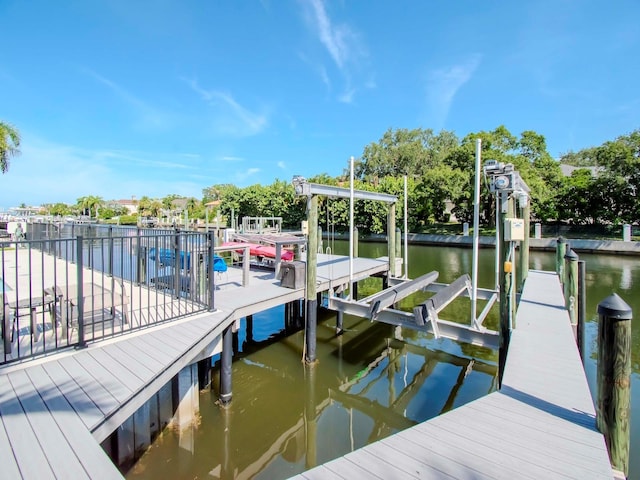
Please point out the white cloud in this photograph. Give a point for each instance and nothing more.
(47, 172)
(246, 174)
(230, 117)
(148, 117)
(443, 84)
(282, 165)
(343, 44)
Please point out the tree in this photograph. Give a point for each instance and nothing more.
(9, 145)
(89, 205)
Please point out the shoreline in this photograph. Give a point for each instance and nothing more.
(612, 247)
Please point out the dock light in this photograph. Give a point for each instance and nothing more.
(523, 199)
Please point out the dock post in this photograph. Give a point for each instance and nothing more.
(614, 378)
(398, 250)
(571, 288)
(312, 300)
(249, 336)
(211, 284)
(320, 249)
(80, 282)
(391, 237)
(505, 278)
(582, 306)
(204, 373)
(523, 264)
(355, 241)
(561, 250)
(226, 359)
(340, 318)
(310, 418)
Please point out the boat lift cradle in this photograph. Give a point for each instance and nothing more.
(425, 317)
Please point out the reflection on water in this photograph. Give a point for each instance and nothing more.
(369, 383)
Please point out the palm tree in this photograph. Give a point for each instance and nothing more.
(9, 145)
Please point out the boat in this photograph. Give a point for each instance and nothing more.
(261, 252)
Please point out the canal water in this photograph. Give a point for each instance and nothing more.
(370, 382)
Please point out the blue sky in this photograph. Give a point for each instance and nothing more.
(122, 98)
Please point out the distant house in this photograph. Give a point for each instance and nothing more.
(130, 204)
(567, 170)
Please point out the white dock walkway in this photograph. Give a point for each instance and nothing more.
(541, 424)
(55, 410)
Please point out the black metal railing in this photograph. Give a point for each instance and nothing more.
(65, 292)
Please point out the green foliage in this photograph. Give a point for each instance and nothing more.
(9, 145)
(128, 219)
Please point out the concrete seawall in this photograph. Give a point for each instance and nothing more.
(614, 247)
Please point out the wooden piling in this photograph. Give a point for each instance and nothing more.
(505, 278)
(561, 250)
(582, 306)
(614, 378)
(311, 299)
(226, 359)
(571, 288)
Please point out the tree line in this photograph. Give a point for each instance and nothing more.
(601, 187)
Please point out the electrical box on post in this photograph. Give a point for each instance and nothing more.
(513, 229)
(305, 227)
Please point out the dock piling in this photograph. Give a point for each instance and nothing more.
(570, 288)
(561, 249)
(614, 378)
(226, 359)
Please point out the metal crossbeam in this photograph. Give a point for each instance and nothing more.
(454, 331)
(389, 296)
(302, 187)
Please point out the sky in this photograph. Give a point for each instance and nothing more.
(122, 99)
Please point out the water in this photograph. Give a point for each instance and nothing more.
(370, 382)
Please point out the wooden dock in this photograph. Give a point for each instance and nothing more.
(55, 410)
(541, 424)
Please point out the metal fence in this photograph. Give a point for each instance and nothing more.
(64, 292)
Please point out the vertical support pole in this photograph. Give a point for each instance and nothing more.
(211, 283)
(396, 273)
(80, 300)
(176, 264)
(340, 318)
(571, 288)
(538, 230)
(310, 418)
(226, 358)
(561, 250)
(391, 237)
(110, 253)
(582, 306)
(406, 231)
(278, 259)
(355, 241)
(204, 373)
(320, 248)
(249, 336)
(523, 263)
(511, 213)
(476, 234)
(311, 296)
(505, 283)
(614, 378)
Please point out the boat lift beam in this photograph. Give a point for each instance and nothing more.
(386, 298)
(302, 187)
(451, 330)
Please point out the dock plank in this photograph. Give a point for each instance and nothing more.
(541, 424)
(85, 450)
(29, 455)
(55, 446)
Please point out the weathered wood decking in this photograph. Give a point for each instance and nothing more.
(541, 424)
(55, 410)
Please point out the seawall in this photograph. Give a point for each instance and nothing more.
(614, 247)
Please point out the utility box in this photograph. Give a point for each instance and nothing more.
(292, 275)
(513, 229)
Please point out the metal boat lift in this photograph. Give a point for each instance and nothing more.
(379, 307)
